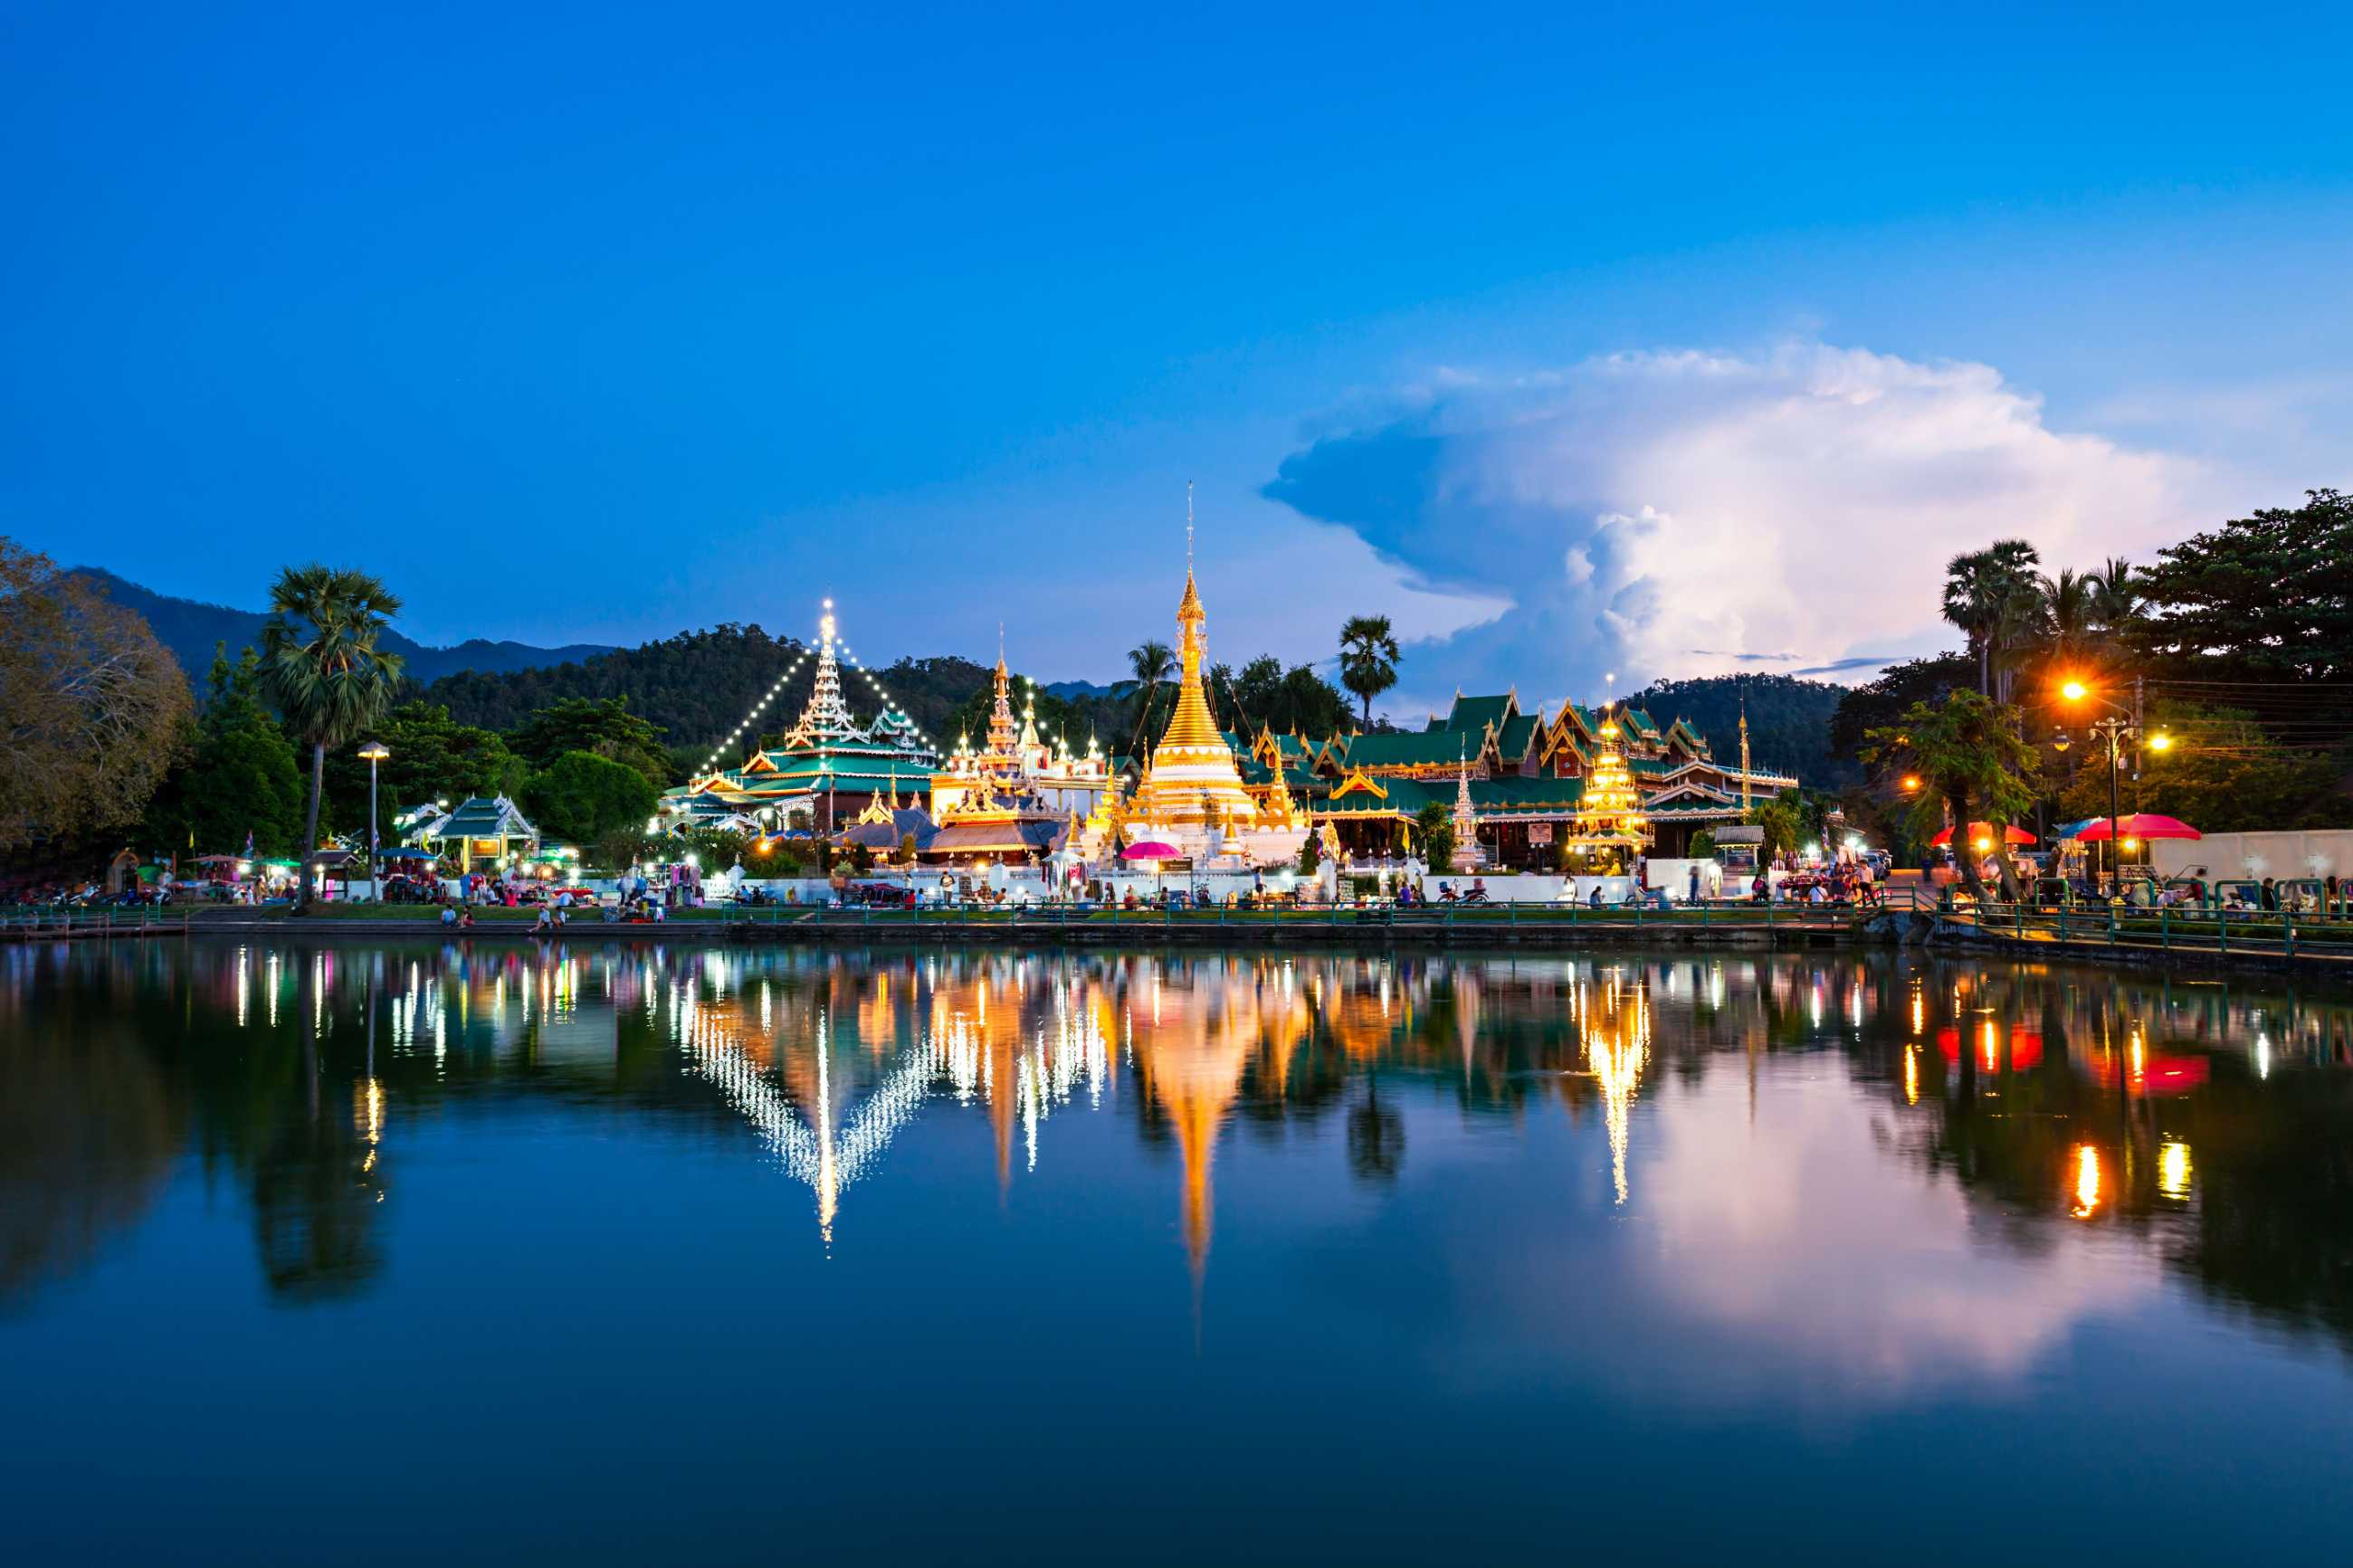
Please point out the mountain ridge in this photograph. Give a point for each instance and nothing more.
(190, 627)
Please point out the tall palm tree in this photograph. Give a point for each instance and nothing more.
(1990, 595)
(1368, 659)
(1151, 665)
(2117, 605)
(2066, 633)
(322, 668)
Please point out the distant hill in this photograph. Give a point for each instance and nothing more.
(190, 628)
(1788, 720)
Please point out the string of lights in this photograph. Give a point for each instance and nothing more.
(890, 703)
(710, 763)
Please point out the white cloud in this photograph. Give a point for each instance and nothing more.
(1682, 513)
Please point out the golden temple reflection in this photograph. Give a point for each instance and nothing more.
(2173, 1171)
(1617, 1049)
(2087, 1181)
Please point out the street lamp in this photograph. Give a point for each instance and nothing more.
(375, 751)
(2121, 724)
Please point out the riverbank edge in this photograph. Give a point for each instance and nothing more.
(811, 931)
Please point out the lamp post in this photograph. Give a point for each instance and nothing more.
(375, 751)
(2121, 724)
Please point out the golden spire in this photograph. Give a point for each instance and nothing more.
(1000, 716)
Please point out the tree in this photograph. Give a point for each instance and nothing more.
(1151, 665)
(584, 798)
(1434, 829)
(1974, 763)
(603, 726)
(1884, 701)
(433, 758)
(1368, 659)
(2116, 606)
(323, 669)
(1783, 820)
(1990, 593)
(93, 710)
(2067, 634)
(242, 777)
(2222, 775)
(1295, 701)
(2268, 596)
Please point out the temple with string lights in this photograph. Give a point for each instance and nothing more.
(827, 769)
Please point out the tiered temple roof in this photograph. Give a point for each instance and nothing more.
(827, 753)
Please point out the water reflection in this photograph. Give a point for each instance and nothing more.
(1775, 1121)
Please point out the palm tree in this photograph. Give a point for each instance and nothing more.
(1368, 659)
(2117, 605)
(1151, 665)
(322, 670)
(2065, 632)
(1990, 595)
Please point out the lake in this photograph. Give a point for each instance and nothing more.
(388, 1251)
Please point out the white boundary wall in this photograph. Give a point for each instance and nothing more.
(2232, 855)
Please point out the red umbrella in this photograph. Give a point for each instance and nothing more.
(2142, 824)
(1979, 830)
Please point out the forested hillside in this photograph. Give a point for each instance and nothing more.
(1788, 720)
(697, 685)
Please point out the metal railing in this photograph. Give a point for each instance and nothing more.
(33, 923)
(2285, 934)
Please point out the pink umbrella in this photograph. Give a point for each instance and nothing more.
(1151, 850)
(2142, 824)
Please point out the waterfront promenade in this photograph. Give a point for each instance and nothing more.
(2305, 944)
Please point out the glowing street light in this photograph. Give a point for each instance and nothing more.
(375, 751)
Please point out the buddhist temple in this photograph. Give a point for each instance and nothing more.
(1190, 794)
(1524, 773)
(827, 768)
(1016, 797)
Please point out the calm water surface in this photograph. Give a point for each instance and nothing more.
(377, 1252)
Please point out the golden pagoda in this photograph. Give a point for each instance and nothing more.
(1191, 794)
(1608, 828)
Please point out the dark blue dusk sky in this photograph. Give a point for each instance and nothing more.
(1583, 342)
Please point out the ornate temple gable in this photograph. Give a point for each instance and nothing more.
(1518, 743)
(1682, 737)
(1487, 713)
(1423, 754)
(1357, 782)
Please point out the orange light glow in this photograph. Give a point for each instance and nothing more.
(1911, 781)
(2087, 1181)
(2073, 691)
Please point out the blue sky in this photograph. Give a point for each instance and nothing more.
(1584, 344)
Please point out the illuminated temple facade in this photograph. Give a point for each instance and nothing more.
(1015, 797)
(1524, 773)
(1191, 794)
(828, 768)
